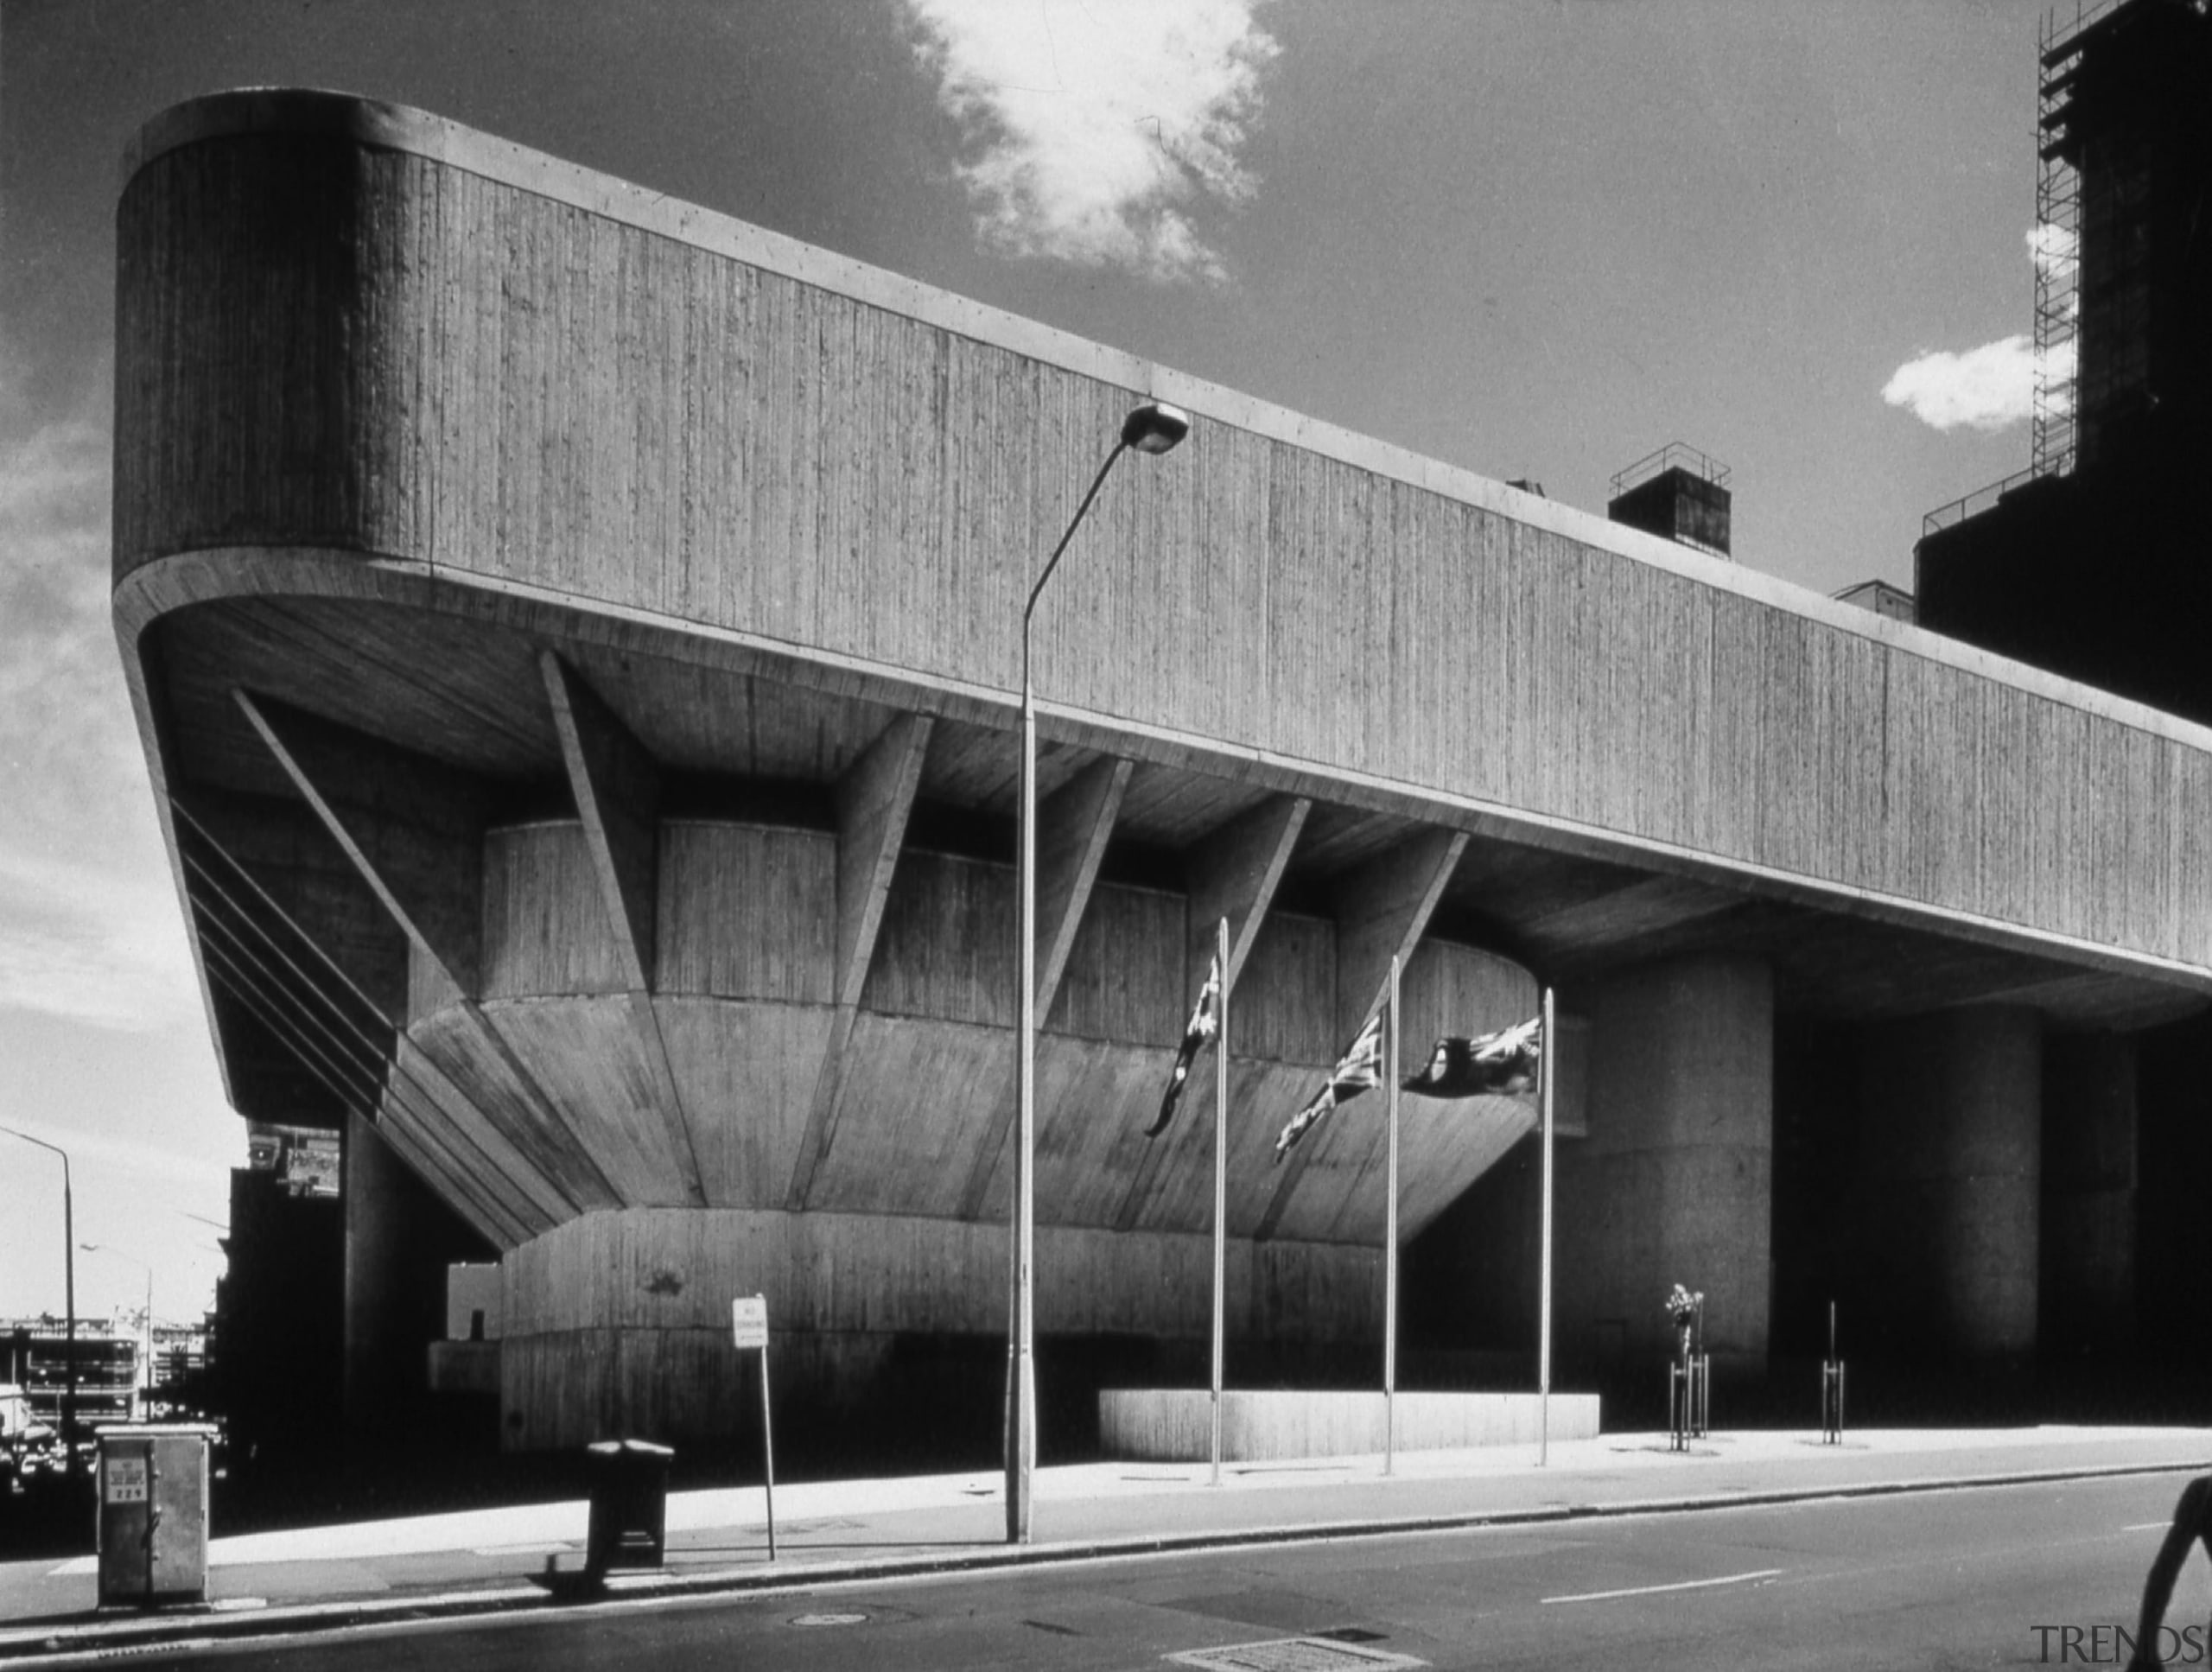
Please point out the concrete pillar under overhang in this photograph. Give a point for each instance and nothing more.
(399, 1238)
(2090, 1195)
(1674, 1183)
(1950, 1175)
(377, 1387)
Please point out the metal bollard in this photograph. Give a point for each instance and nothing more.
(1832, 1401)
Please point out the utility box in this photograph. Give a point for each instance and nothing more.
(153, 1513)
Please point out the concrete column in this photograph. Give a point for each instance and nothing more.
(399, 1238)
(1674, 1183)
(1950, 1171)
(2090, 1194)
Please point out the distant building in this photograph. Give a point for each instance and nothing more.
(1881, 597)
(36, 1356)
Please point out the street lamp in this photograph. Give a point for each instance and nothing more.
(1154, 428)
(145, 1376)
(69, 1292)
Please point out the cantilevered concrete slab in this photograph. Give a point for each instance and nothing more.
(594, 622)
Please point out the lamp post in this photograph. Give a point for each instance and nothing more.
(145, 1376)
(69, 1292)
(1154, 428)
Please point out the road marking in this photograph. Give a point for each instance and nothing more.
(2148, 1527)
(1310, 1653)
(1654, 1590)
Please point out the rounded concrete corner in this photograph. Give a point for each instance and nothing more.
(305, 110)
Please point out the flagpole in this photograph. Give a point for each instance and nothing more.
(1548, 1078)
(1220, 1180)
(1390, 1246)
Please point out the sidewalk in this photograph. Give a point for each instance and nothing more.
(494, 1559)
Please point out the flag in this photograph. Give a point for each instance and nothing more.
(1498, 1065)
(1205, 1022)
(1359, 1068)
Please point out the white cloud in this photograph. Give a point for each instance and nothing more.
(1985, 388)
(1101, 132)
(1993, 386)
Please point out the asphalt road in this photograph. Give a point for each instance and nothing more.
(1955, 1578)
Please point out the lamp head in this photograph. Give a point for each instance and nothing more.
(1155, 427)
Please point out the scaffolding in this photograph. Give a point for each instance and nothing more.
(2058, 239)
(2062, 214)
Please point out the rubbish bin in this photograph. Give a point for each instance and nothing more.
(629, 1504)
(153, 1512)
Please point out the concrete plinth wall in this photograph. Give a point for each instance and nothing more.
(623, 1317)
(1672, 1185)
(1950, 1176)
(1174, 1425)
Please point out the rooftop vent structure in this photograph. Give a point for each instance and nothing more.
(1678, 492)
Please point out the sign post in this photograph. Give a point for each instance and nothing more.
(748, 1315)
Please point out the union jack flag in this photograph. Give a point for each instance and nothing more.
(1360, 1068)
(1205, 1022)
(1500, 1064)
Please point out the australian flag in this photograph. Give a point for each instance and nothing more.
(1358, 1070)
(1205, 1022)
(1498, 1065)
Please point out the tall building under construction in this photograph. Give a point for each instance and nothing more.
(2093, 563)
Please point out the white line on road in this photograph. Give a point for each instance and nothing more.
(1653, 1590)
(2148, 1527)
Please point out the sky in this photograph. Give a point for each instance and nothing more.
(1534, 238)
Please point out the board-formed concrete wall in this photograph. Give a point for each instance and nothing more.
(346, 328)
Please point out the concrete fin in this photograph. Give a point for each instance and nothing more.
(1074, 824)
(413, 826)
(1382, 908)
(537, 1198)
(617, 787)
(875, 798)
(1233, 874)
